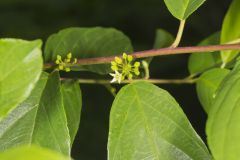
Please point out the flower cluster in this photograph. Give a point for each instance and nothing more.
(66, 63)
(124, 68)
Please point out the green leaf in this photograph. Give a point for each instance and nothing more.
(38, 120)
(147, 123)
(230, 30)
(208, 84)
(199, 62)
(223, 123)
(87, 43)
(72, 98)
(31, 153)
(20, 68)
(182, 9)
(163, 39)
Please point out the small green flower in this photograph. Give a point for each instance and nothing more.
(114, 68)
(66, 63)
(130, 58)
(67, 69)
(130, 76)
(114, 63)
(60, 67)
(136, 71)
(136, 64)
(59, 57)
(68, 60)
(75, 61)
(57, 61)
(124, 68)
(118, 60)
(124, 56)
(69, 55)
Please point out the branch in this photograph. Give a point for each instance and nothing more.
(154, 81)
(158, 52)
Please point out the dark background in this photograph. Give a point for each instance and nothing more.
(139, 19)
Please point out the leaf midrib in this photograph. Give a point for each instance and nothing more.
(184, 132)
(148, 129)
(120, 135)
(22, 116)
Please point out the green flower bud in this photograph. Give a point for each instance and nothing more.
(129, 58)
(130, 76)
(67, 69)
(69, 55)
(75, 61)
(114, 68)
(124, 56)
(136, 64)
(113, 63)
(60, 67)
(59, 57)
(118, 60)
(136, 71)
(57, 61)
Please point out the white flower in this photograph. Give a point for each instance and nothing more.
(117, 77)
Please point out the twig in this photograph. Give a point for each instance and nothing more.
(154, 81)
(158, 52)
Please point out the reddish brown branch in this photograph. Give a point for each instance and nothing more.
(157, 52)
